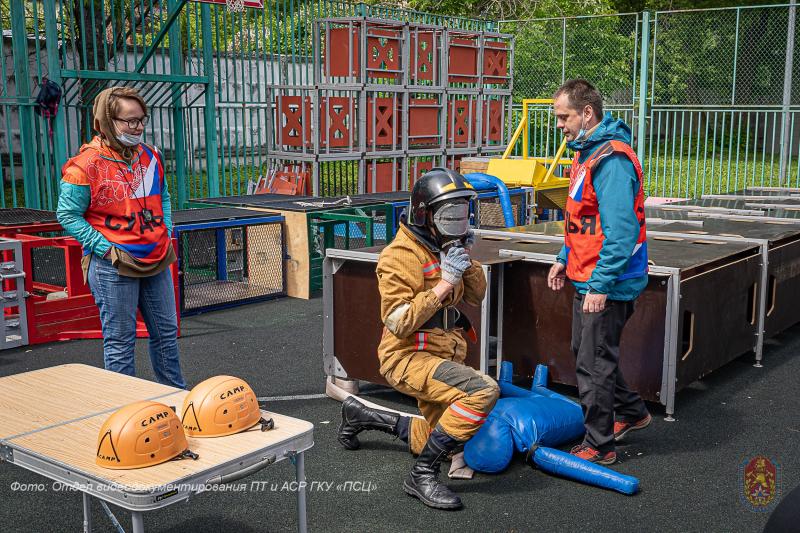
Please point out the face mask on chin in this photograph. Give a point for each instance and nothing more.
(582, 132)
(126, 139)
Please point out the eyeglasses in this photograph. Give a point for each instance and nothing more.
(134, 122)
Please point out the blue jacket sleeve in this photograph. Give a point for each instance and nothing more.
(73, 201)
(616, 185)
(166, 207)
(562, 255)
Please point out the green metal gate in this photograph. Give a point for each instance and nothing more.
(203, 70)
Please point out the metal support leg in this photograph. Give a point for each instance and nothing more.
(762, 304)
(87, 514)
(671, 343)
(300, 469)
(137, 519)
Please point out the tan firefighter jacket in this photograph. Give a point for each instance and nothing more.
(407, 272)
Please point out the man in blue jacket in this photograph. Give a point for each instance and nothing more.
(605, 258)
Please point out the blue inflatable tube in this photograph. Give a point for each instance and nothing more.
(565, 465)
(480, 181)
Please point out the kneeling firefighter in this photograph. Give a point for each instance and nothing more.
(422, 275)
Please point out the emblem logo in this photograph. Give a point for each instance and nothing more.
(759, 481)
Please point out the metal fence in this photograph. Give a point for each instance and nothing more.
(713, 88)
(204, 71)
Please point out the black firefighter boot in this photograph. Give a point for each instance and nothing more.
(356, 417)
(423, 481)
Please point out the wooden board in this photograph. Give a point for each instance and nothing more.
(474, 164)
(28, 401)
(298, 267)
(63, 421)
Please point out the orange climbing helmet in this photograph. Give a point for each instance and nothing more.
(141, 434)
(222, 405)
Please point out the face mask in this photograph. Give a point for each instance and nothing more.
(582, 132)
(451, 220)
(129, 140)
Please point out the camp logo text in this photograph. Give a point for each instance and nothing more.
(155, 418)
(231, 392)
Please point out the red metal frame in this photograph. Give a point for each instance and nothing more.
(10, 232)
(76, 316)
(384, 173)
(424, 53)
(385, 125)
(495, 62)
(289, 117)
(462, 120)
(341, 111)
(463, 60)
(493, 121)
(416, 169)
(423, 121)
(383, 52)
(287, 182)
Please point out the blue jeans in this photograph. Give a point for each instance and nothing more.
(118, 298)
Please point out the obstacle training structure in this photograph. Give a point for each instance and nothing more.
(394, 99)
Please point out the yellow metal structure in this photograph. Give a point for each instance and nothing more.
(532, 171)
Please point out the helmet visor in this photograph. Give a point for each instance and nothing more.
(452, 218)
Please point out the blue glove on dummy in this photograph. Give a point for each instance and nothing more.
(454, 264)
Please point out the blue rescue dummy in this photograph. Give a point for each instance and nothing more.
(530, 421)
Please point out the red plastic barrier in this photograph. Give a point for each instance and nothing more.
(72, 317)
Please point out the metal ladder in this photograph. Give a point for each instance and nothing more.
(14, 330)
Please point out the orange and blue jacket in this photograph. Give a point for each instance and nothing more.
(605, 243)
(103, 199)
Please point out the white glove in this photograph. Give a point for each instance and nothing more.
(454, 264)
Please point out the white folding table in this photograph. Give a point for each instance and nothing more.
(50, 419)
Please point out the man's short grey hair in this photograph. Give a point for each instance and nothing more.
(581, 93)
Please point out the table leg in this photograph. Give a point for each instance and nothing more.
(138, 521)
(300, 469)
(87, 514)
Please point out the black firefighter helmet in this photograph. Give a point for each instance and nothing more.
(435, 186)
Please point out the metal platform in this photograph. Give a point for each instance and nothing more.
(698, 312)
(18, 216)
(257, 200)
(782, 285)
(282, 202)
(702, 308)
(213, 214)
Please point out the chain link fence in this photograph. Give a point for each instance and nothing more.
(549, 51)
(714, 114)
(228, 264)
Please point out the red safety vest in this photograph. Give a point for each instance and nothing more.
(582, 228)
(120, 195)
